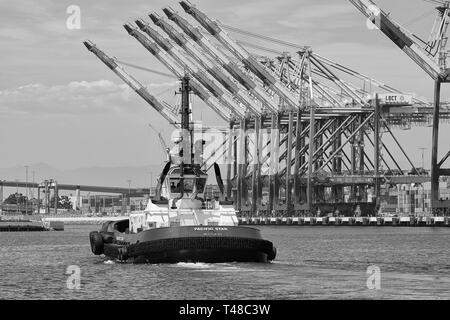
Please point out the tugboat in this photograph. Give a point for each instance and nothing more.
(178, 224)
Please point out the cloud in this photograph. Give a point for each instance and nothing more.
(75, 98)
(300, 21)
(319, 16)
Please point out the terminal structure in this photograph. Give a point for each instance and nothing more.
(305, 135)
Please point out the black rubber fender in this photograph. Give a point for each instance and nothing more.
(157, 246)
(273, 254)
(122, 254)
(97, 245)
(107, 237)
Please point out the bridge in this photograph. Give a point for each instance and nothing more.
(48, 185)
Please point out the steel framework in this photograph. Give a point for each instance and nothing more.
(304, 137)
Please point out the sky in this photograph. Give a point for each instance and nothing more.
(60, 105)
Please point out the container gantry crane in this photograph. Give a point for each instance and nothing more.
(221, 58)
(140, 89)
(297, 122)
(431, 56)
(208, 64)
(227, 112)
(241, 53)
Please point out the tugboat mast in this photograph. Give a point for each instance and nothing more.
(188, 156)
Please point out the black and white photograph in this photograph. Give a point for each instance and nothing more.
(223, 156)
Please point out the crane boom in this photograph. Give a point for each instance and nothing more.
(163, 144)
(221, 58)
(242, 54)
(133, 83)
(188, 65)
(402, 38)
(207, 64)
(225, 112)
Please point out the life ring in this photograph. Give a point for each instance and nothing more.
(97, 245)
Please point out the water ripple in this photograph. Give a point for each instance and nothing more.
(312, 263)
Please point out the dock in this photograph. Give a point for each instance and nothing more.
(10, 226)
(31, 223)
(291, 221)
(349, 221)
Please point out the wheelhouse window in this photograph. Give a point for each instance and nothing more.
(200, 184)
(175, 186)
(188, 186)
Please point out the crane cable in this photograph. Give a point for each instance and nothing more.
(147, 69)
(297, 46)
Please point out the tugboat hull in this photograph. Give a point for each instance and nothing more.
(187, 244)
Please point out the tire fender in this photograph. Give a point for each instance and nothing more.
(122, 254)
(97, 245)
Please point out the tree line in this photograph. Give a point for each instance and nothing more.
(20, 199)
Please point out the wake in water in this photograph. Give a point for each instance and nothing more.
(220, 267)
(194, 265)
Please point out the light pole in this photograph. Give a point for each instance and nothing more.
(32, 190)
(26, 189)
(423, 166)
(151, 183)
(17, 196)
(129, 193)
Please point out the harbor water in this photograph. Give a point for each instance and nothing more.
(312, 263)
